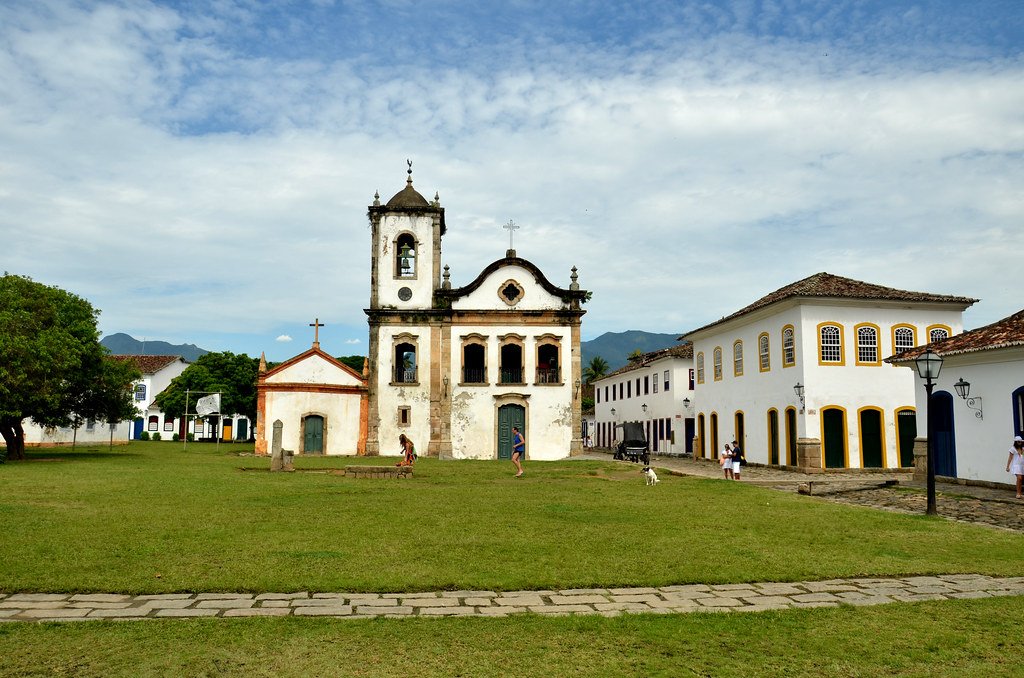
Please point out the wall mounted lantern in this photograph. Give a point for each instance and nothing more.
(963, 389)
(799, 390)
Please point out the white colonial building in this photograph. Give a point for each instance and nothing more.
(655, 389)
(797, 377)
(455, 368)
(972, 431)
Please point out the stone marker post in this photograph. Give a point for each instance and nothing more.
(276, 457)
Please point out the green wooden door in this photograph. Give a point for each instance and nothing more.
(834, 437)
(791, 437)
(871, 438)
(509, 416)
(906, 432)
(313, 440)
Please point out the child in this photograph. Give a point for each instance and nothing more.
(408, 451)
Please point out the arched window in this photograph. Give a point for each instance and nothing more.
(405, 256)
(474, 359)
(404, 358)
(788, 347)
(938, 332)
(830, 344)
(867, 345)
(718, 363)
(154, 423)
(764, 352)
(903, 337)
(510, 354)
(700, 367)
(737, 358)
(549, 366)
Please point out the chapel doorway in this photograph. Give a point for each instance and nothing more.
(313, 434)
(790, 436)
(509, 416)
(833, 429)
(773, 437)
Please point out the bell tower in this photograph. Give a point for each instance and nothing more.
(405, 261)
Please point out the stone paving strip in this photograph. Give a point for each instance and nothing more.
(607, 602)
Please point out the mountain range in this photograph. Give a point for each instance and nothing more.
(614, 347)
(123, 344)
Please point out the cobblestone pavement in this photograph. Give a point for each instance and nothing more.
(606, 602)
(997, 507)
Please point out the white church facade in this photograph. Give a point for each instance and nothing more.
(455, 368)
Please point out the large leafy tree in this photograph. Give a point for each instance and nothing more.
(52, 366)
(232, 375)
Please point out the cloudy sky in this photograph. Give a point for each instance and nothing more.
(200, 170)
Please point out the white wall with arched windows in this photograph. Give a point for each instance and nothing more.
(835, 351)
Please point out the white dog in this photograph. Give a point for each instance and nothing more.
(651, 476)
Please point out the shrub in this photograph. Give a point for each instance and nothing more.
(144, 435)
(175, 437)
(156, 436)
(190, 437)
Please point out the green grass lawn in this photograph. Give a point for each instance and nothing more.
(152, 518)
(941, 639)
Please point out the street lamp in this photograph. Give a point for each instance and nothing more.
(686, 403)
(799, 390)
(929, 364)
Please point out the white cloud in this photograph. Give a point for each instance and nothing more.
(284, 338)
(185, 186)
(353, 341)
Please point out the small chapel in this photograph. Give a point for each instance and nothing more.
(452, 368)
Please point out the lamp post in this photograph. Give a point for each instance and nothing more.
(799, 391)
(929, 364)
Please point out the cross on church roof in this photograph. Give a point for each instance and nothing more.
(316, 325)
(511, 227)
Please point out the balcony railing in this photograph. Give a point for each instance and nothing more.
(511, 375)
(405, 375)
(473, 375)
(549, 375)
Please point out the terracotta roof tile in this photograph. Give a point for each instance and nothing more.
(149, 364)
(684, 350)
(1001, 334)
(829, 286)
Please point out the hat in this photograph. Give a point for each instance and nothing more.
(1018, 439)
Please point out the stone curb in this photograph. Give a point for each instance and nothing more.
(755, 597)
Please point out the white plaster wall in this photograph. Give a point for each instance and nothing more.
(982, 444)
(422, 285)
(487, 296)
(414, 396)
(661, 405)
(549, 428)
(848, 386)
(340, 412)
(37, 435)
(314, 370)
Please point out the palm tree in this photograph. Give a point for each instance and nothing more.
(597, 368)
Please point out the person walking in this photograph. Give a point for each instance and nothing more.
(1015, 463)
(518, 450)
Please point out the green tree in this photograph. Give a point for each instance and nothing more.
(353, 361)
(232, 375)
(597, 368)
(52, 366)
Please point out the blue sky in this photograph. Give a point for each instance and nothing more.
(200, 171)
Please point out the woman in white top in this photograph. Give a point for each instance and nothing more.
(1015, 462)
(725, 459)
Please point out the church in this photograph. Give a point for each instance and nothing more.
(452, 368)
